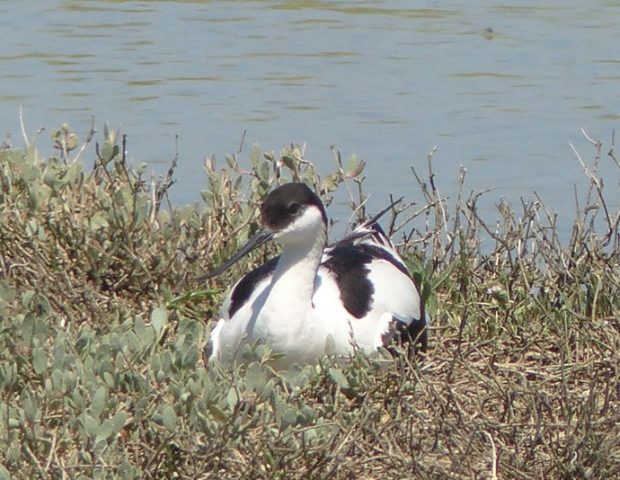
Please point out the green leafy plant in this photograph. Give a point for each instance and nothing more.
(101, 332)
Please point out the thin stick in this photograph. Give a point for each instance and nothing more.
(89, 137)
(612, 152)
(493, 456)
(242, 141)
(23, 128)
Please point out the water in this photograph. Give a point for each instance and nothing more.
(499, 90)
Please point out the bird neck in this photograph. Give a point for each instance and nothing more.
(290, 298)
(297, 268)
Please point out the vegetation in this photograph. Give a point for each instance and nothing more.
(102, 328)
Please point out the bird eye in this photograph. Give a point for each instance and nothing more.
(293, 208)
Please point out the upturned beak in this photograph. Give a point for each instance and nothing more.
(256, 241)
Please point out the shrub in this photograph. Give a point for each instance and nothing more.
(101, 332)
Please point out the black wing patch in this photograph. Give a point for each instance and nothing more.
(243, 290)
(349, 266)
(382, 254)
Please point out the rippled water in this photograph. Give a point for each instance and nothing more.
(500, 90)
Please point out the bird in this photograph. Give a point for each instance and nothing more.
(314, 299)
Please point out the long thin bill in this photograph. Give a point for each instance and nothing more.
(257, 240)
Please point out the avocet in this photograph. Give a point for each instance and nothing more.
(355, 294)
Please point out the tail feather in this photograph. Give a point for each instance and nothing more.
(369, 230)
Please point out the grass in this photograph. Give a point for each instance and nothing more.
(101, 333)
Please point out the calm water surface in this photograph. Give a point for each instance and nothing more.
(380, 79)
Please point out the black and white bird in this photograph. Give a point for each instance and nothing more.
(357, 293)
